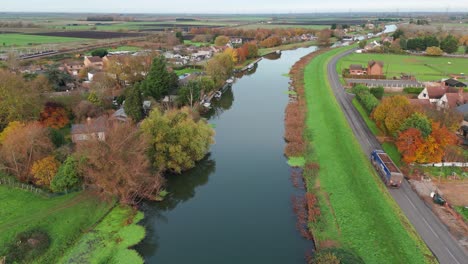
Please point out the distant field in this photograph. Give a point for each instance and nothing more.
(270, 26)
(125, 48)
(424, 68)
(24, 40)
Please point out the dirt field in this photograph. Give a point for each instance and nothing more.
(456, 192)
(91, 34)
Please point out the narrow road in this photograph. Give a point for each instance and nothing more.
(436, 235)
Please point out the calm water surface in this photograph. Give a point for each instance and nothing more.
(235, 206)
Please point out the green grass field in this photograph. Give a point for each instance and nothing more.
(187, 70)
(357, 210)
(64, 218)
(125, 48)
(424, 68)
(25, 40)
(109, 241)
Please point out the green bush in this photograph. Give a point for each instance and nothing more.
(364, 96)
(413, 90)
(378, 92)
(67, 176)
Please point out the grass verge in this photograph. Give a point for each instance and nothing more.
(110, 240)
(371, 124)
(64, 218)
(365, 218)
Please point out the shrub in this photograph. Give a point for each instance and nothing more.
(27, 246)
(364, 96)
(67, 176)
(434, 51)
(340, 254)
(378, 92)
(413, 90)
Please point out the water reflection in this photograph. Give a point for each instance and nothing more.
(181, 188)
(218, 106)
(272, 56)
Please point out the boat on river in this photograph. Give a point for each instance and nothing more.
(230, 81)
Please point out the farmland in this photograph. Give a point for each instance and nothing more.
(89, 34)
(422, 67)
(357, 210)
(25, 40)
(63, 218)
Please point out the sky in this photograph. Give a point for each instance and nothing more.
(231, 7)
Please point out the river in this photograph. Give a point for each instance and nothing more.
(235, 206)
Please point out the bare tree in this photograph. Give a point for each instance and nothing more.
(119, 165)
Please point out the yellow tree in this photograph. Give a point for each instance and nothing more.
(11, 127)
(44, 170)
(233, 54)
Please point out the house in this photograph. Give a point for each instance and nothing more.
(95, 62)
(370, 26)
(387, 39)
(356, 69)
(463, 109)
(375, 67)
(374, 44)
(91, 129)
(444, 96)
(73, 68)
(454, 83)
(236, 41)
(120, 115)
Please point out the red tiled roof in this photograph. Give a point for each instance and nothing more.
(436, 92)
(373, 62)
(419, 101)
(95, 59)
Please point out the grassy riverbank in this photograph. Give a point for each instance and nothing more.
(63, 218)
(110, 240)
(357, 210)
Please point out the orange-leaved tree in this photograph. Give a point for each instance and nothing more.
(44, 170)
(408, 143)
(54, 115)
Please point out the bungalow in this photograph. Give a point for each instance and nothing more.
(92, 129)
(73, 68)
(95, 62)
(356, 69)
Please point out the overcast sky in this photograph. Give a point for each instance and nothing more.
(232, 7)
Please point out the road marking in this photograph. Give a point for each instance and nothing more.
(452, 255)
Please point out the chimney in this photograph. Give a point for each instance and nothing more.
(88, 120)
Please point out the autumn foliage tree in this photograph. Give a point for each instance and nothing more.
(177, 140)
(392, 112)
(44, 170)
(54, 115)
(408, 143)
(415, 148)
(119, 166)
(22, 147)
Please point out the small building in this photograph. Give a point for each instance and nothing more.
(95, 62)
(91, 129)
(454, 83)
(356, 69)
(375, 68)
(74, 68)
